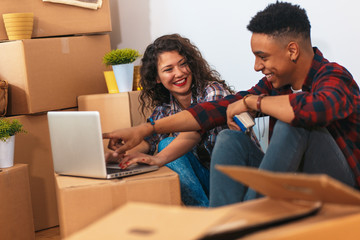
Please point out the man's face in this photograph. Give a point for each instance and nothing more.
(272, 58)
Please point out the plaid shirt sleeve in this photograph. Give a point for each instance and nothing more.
(330, 99)
(212, 114)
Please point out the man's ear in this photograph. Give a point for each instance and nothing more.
(293, 50)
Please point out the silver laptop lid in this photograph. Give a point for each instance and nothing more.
(76, 142)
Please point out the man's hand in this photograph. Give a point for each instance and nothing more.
(124, 139)
(109, 157)
(232, 110)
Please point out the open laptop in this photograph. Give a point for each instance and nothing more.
(77, 147)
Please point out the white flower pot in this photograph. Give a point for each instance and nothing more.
(7, 152)
(124, 75)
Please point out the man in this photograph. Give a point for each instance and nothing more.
(313, 107)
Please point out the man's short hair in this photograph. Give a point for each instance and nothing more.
(281, 19)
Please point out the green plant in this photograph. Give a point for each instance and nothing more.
(9, 128)
(120, 56)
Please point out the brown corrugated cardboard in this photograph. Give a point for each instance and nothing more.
(296, 206)
(16, 219)
(117, 110)
(82, 201)
(50, 73)
(33, 148)
(51, 19)
(137, 117)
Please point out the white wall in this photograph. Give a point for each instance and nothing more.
(218, 28)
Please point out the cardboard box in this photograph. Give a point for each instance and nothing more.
(50, 73)
(33, 148)
(81, 201)
(16, 219)
(117, 110)
(296, 206)
(52, 19)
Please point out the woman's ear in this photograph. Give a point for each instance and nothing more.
(158, 79)
(293, 50)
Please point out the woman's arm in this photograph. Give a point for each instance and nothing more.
(181, 145)
(143, 148)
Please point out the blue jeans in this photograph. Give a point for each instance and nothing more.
(291, 149)
(194, 177)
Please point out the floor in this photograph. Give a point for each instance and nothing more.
(48, 234)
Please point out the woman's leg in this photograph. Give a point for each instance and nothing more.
(192, 191)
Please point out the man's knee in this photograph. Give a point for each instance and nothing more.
(228, 136)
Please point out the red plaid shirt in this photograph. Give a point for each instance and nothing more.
(330, 98)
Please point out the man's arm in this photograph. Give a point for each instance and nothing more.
(202, 116)
(276, 106)
(124, 139)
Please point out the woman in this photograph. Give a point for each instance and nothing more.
(173, 76)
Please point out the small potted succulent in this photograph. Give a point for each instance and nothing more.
(122, 62)
(8, 130)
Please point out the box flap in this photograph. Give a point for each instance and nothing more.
(138, 221)
(151, 221)
(312, 187)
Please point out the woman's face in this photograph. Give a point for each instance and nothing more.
(174, 73)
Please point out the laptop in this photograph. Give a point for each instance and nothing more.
(78, 150)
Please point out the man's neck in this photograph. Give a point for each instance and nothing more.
(303, 67)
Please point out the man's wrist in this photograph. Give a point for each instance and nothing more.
(245, 103)
(258, 102)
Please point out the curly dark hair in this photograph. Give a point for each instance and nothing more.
(280, 19)
(154, 94)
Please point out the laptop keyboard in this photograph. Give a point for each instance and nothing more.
(114, 170)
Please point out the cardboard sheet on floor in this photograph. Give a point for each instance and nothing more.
(290, 198)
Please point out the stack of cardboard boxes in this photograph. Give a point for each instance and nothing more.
(61, 62)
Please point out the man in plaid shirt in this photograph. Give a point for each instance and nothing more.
(313, 106)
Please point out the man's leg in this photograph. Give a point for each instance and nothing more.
(231, 148)
(290, 147)
(192, 192)
(284, 153)
(323, 155)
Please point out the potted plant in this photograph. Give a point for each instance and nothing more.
(8, 129)
(122, 64)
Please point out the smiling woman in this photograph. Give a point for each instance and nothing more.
(174, 75)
